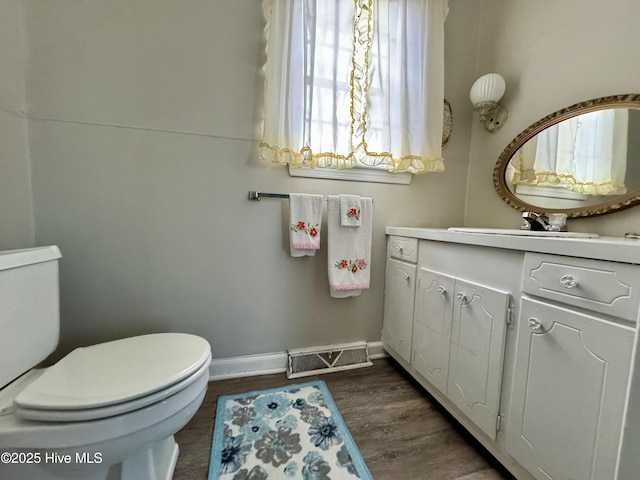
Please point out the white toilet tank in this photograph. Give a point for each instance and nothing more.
(29, 309)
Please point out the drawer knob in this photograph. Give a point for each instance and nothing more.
(534, 324)
(568, 281)
(442, 291)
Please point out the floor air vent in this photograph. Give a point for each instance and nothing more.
(331, 358)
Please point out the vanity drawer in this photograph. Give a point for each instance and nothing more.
(607, 287)
(403, 248)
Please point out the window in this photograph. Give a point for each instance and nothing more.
(354, 84)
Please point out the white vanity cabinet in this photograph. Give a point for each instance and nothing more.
(572, 367)
(433, 315)
(400, 281)
(457, 327)
(530, 343)
(458, 343)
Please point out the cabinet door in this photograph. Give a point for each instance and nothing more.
(477, 351)
(569, 393)
(432, 327)
(398, 307)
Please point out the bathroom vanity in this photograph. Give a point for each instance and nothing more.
(529, 342)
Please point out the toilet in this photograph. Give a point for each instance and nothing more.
(104, 412)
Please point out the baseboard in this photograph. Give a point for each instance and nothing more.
(265, 363)
(248, 365)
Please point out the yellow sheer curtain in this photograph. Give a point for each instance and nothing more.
(353, 83)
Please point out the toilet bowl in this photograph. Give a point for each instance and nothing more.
(72, 421)
(105, 412)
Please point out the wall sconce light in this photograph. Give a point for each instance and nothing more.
(485, 94)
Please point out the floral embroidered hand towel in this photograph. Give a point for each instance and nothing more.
(349, 250)
(305, 218)
(350, 210)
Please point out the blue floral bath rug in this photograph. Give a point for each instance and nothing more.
(294, 432)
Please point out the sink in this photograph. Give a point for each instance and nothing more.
(522, 233)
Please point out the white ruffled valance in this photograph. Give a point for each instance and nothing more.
(354, 83)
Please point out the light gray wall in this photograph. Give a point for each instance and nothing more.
(552, 54)
(141, 120)
(16, 213)
(141, 129)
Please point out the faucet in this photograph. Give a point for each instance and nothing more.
(554, 222)
(534, 221)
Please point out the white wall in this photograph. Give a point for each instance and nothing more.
(16, 213)
(141, 121)
(552, 54)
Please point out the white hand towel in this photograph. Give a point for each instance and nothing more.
(349, 250)
(350, 211)
(305, 219)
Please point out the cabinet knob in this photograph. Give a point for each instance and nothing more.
(462, 298)
(534, 324)
(442, 291)
(405, 276)
(568, 281)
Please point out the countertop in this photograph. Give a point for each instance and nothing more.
(617, 249)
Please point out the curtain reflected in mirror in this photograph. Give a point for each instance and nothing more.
(586, 154)
(584, 159)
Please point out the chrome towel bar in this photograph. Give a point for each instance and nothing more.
(255, 195)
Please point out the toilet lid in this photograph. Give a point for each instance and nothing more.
(116, 372)
(122, 408)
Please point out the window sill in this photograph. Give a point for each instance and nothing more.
(353, 174)
(551, 192)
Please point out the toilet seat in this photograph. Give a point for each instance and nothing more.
(115, 377)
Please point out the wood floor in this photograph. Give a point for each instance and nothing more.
(399, 430)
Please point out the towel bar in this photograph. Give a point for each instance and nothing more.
(255, 195)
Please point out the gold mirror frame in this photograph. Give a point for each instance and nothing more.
(631, 101)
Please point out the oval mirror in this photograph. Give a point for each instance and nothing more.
(582, 160)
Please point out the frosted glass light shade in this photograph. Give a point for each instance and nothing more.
(487, 88)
